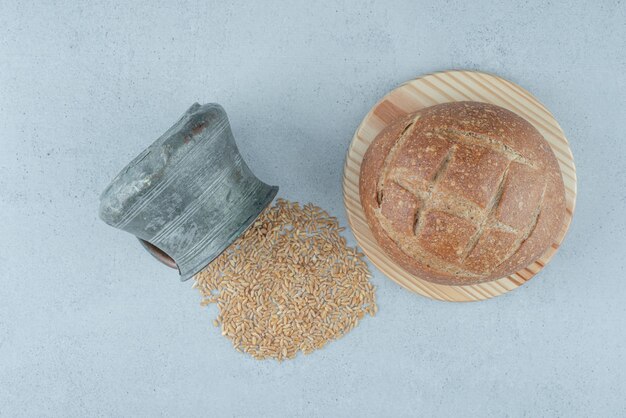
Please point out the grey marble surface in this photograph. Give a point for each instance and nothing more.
(91, 325)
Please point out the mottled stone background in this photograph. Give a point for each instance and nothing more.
(91, 325)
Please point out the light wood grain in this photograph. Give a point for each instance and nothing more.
(444, 87)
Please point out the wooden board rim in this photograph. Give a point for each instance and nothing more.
(443, 87)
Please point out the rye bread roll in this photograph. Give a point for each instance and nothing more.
(462, 193)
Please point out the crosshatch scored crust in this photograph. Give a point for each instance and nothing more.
(462, 193)
(289, 283)
(446, 87)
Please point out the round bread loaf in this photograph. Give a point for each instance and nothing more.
(462, 193)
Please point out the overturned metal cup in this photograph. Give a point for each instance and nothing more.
(189, 195)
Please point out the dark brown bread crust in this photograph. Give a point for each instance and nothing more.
(462, 193)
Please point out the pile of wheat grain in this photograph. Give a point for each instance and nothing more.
(289, 283)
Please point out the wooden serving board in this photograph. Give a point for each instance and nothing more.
(444, 87)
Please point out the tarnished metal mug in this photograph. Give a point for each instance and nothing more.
(189, 195)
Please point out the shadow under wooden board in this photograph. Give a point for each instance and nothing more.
(445, 87)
